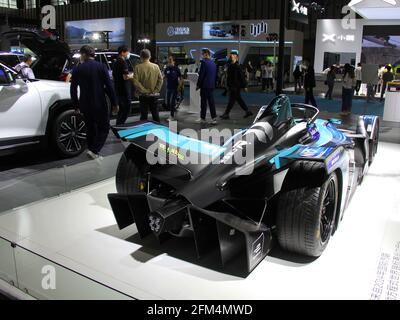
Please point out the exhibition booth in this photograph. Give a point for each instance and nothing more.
(252, 39)
(368, 41)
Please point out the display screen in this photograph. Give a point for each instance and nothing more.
(101, 33)
(381, 45)
(220, 30)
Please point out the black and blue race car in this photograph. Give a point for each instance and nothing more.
(288, 178)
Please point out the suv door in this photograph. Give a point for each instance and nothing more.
(20, 109)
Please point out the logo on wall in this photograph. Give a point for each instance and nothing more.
(178, 31)
(333, 37)
(257, 29)
(299, 8)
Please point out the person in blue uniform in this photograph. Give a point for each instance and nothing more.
(206, 85)
(173, 75)
(93, 80)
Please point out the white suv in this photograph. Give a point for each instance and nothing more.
(38, 112)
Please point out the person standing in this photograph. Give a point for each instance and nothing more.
(206, 85)
(358, 74)
(123, 85)
(349, 83)
(386, 78)
(309, 83)
(297, 79)
(264, 76)
(173, 75)
(330, 82)
(24, 68)
(270, 76)
(148, 82)
(93, 79)
(236, 82)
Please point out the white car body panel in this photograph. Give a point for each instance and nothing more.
(24, 108)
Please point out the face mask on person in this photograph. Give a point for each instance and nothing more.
(128, 56)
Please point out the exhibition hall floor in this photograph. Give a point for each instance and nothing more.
(77, 235)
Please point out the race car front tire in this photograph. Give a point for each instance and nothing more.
(306, 217)
(69, 134)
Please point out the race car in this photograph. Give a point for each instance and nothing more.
(293, 188)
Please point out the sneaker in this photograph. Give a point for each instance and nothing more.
(93, 156)
(201, 121)
(225, 116)
(248, 114)
(213, 121)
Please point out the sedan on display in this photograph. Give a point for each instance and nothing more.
(293, 189)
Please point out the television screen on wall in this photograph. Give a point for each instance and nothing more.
(99, 33)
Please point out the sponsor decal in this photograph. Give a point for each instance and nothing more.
(257, 249)
(172, 151)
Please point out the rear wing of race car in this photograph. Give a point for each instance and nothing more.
(331, 157)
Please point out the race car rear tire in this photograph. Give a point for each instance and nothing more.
(68, 134)
(306, 217)
(130, 177)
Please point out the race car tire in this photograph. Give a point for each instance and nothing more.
(306, 217)
(130, 178)
(69, 134)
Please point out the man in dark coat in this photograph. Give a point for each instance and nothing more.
(309, 83)
(94, 81)
(236, 82)
(206, 85)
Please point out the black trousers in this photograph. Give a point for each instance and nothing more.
(207, 99)
(330, 91)
(358, 86)
(267, 82)
(347, 99)
(124, 109)
(97, 129)
(235, 96)
(146, 104)
(310, 97)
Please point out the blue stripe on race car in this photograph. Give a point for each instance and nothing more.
(125, 134)
(173, 139)
(277, 160)
(329, 134)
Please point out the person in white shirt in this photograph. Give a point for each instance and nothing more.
(358, 74)
(24, 68)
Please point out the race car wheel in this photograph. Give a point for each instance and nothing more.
(306, 218)
(69, 134)
(131, 178)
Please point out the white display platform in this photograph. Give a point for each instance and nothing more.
(194, 97)
(77, 234)
(392, 107)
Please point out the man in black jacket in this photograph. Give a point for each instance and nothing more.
(93, 80)
(236, 82)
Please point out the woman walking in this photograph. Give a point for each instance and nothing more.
(349, 84)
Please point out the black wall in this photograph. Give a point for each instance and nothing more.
(146, 14)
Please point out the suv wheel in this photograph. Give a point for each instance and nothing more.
(69, 134)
